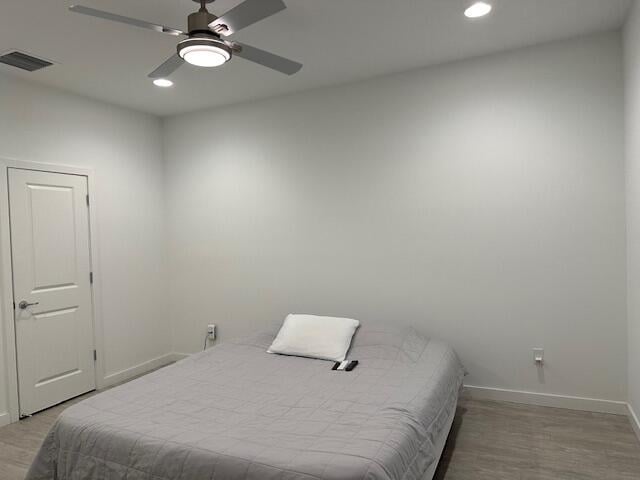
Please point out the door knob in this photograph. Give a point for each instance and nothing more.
(24, 304)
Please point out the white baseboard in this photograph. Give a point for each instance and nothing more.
(179, 356)
(635, 420)
(549, 400)
(5, 419)
(140, 369)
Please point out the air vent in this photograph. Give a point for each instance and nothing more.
(24, 61)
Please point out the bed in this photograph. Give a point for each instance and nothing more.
(236, 412)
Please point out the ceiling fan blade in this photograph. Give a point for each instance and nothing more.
(92, 12)
(245, 14)
(266, 59)
(167, 68)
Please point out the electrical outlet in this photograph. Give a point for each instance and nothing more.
(538, 356)
(211, 331)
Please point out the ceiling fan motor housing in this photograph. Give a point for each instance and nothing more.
(203, 42)
(201, 36)
(199, 22)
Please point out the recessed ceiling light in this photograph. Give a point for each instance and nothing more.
(163, 82)
(477, 10)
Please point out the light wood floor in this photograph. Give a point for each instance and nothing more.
(489, 440)
(496, 441)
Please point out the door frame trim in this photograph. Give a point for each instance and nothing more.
(6, 276)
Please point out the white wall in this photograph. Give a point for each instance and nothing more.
(481, 201)
(124, 148)
(632, 102)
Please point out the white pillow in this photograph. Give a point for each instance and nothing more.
(325, 338)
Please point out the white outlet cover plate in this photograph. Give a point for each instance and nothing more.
(538, 355)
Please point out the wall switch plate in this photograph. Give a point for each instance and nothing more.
(211, 331)
(538, 356)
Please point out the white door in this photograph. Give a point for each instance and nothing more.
(52, 289)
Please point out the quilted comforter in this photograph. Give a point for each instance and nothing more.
(236, 412)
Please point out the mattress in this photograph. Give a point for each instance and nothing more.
(236, 412)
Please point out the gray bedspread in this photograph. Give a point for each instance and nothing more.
(235, 412)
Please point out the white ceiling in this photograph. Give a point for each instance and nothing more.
(337, 40)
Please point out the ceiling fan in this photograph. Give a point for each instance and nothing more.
(204, 45)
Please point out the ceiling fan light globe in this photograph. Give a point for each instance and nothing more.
(204, 56)
(204, 52)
